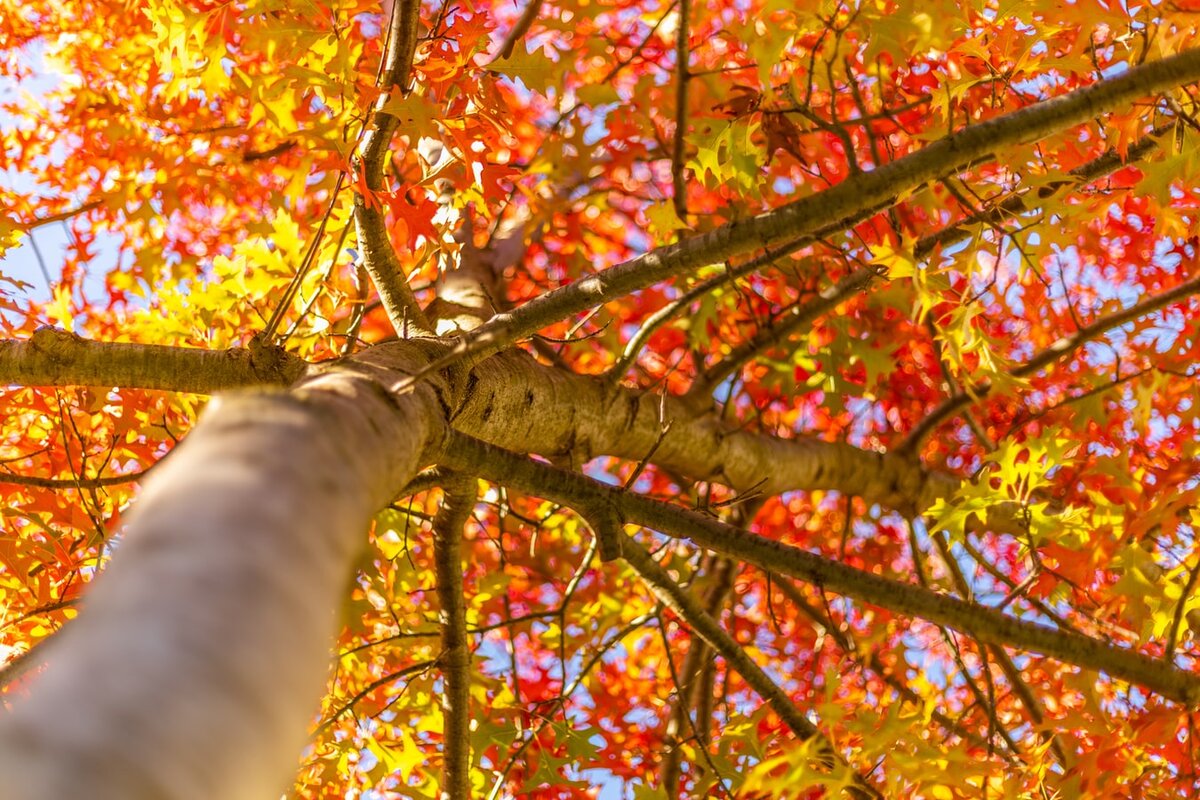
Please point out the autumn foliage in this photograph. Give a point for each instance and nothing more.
(999, 362)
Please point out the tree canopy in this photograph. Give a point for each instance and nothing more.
(599, 398)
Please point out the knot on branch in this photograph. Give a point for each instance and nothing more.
(272, 363)
(59, 346)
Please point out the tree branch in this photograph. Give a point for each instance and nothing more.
(455, 659)
(1062, 348)
(1033, 706)
(657, 319)
(61, 216)
(828, 209)
(380, 261)
(378, 255)
(682, 76)
(72, 483)
(52, 357)
(513, 402)
(199, 643)
(986, 624)
(708, 629)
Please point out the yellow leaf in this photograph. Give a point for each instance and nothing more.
(898, 263)
(58, 310)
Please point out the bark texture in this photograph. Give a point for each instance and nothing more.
(199, 656)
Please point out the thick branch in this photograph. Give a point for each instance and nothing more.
(519, 404)
(53, 357)
(825, 210)
(186, 673)
(401, 45)
(516, 403)
(985, 624)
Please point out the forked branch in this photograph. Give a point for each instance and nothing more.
(708, 629)
(879, 188)
(985, 624)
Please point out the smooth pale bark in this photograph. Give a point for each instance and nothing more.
(53, 357)
(518, 404)
(201, 652)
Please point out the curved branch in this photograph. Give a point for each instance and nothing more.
(658, 318)
(395, 675)
(380, 261)
(379, 256)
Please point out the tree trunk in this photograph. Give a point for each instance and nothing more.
(200, 654)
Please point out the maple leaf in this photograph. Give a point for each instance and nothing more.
(534, 69)
(756, 466)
